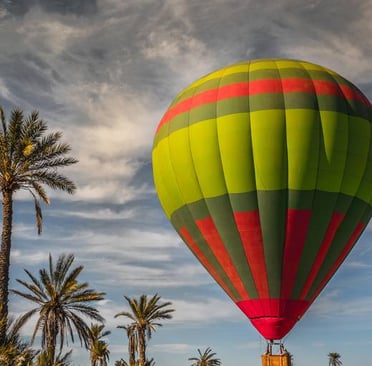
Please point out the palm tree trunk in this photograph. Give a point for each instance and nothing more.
(6, 237)
(141, 347)
(51, 343)
(92, 357)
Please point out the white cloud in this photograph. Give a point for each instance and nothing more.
(335, 302)
(172, 348)
(4, 90)
(31, 257)
(52, 34)
(202, 312)
(113, 145)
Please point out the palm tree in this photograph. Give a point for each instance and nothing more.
(132, 341)
(121, 362)
(334, 359)
(61, 300)
(99, 352)
(43, 359)
(145, 315)
(29, 160)
(14, 351)
(205, 359)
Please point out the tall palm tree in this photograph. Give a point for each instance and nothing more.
(145, 315)
(29, 160)
(61, 300)
(334, 359)
(205, 359)
(98, 348)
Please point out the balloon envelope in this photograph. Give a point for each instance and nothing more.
(264, 168)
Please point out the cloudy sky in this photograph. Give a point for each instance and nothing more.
(104, 72)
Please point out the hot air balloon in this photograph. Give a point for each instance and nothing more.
(264, 168)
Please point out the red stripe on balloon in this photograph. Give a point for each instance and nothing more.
(331, 231)
(353, 238)
(296, 231)
(203, 259)
(249, 227)
(212, 237)
(290, 85)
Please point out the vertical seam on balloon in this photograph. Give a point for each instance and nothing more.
(254, 177)
(302, 65)
(345, 100)
(349, 109)
(266, 285)
(254, 157)
(224, 179)
(286, 218)
(285, 158)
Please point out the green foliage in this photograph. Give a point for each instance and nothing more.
(145, 315)
(207, 358)
(60, 300)
(334, 359)
(29, 158)
(61, 360)
(99, 352)
(14, 351)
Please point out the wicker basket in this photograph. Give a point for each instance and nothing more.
(276, 360)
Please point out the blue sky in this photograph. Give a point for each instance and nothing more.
(104, 72)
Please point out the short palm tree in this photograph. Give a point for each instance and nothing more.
(121, 362)
(61, 360)
(145, 314)
(61, 300)
(29, 160)
(100, 353)
(14, 351)
(132, 342)
(98, 348)
(334, 359)
(205, 359)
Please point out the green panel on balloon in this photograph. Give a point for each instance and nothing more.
(183, 165)
(270, 159)
(234, 138)
(302, 133)
(206, 158)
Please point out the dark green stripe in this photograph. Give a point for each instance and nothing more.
(322, 211)
(184, 218)
(355, 214)
(243, 202)
(273, 213)
(222, 215)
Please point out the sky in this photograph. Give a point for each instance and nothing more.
(104, 72)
